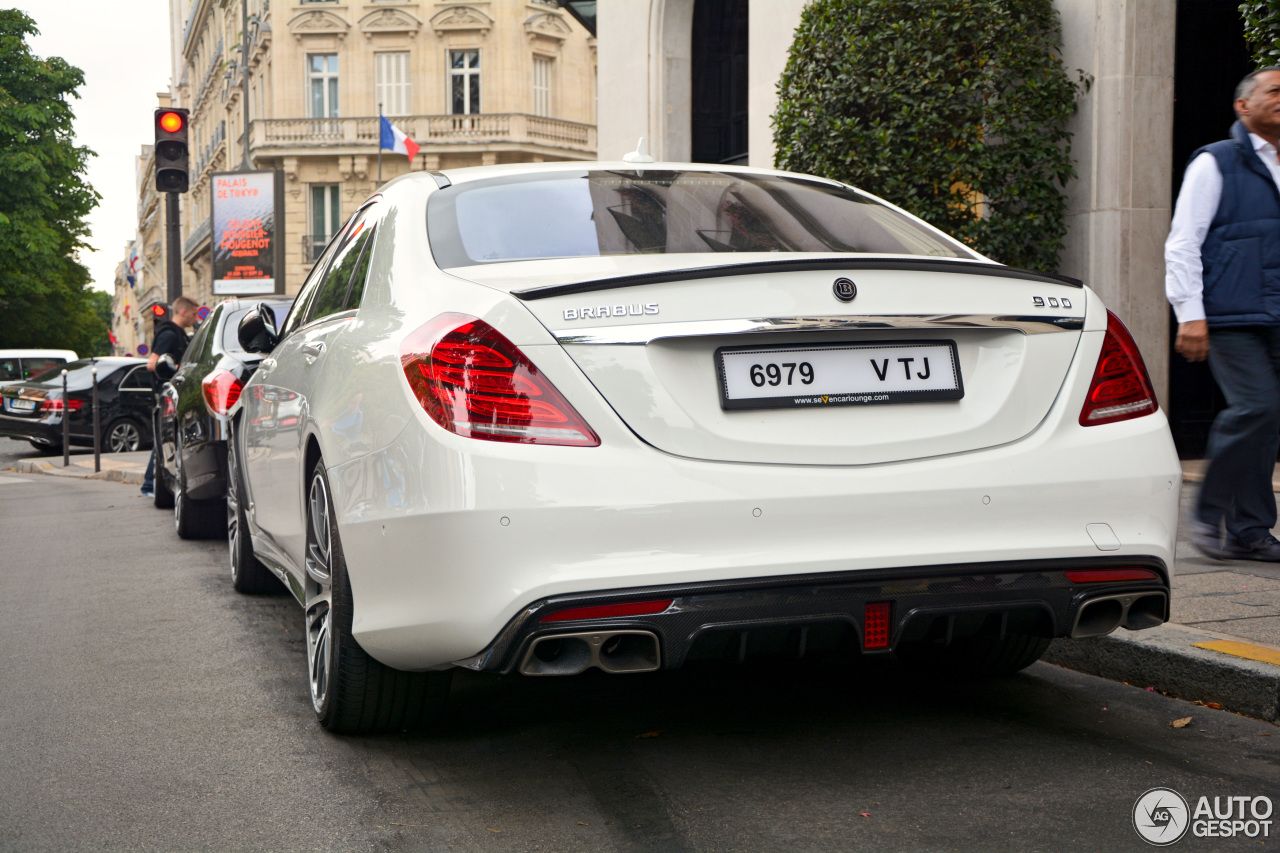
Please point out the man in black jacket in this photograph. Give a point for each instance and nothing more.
(170, 339)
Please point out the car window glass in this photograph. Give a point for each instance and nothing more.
(602, 213)
(10, 369)
(138, 379)
(36, 366)
(309, 287)
(365, 251)
(332, 294)
(197, 345)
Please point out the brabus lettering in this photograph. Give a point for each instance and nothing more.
(651, 308)
(571, 313)
(588, 312)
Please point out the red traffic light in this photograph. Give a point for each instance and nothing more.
(171, 122)
(158, 310)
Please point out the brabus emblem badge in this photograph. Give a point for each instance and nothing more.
(844, 289)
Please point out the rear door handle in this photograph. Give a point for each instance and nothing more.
(312, 351)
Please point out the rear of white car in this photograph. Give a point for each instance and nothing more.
(601, 415)
(699, 504)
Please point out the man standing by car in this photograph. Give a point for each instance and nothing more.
(1223, 280)
(170, 339)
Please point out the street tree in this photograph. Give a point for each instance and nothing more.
(955, 110)
(1262, 30)
(45, 298)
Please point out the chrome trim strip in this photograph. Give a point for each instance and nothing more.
(644, 333)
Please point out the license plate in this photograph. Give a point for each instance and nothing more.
(21, 405)
(839, 375)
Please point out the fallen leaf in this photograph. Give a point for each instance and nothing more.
(580, 823)
(493, 830)
(1266, 734)
(410, 824)
(654, 733)
(865, 814)
(1217, 706)
(1177, 724)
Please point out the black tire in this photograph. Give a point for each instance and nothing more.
(351, 692)
(977, 656)
(123, 435)
(248, 574)
(46, 449)
(194, 519)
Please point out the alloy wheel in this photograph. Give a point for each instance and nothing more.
(319, 618)
(123, 437)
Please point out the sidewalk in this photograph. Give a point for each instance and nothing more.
(120, 467)
(1221, 647)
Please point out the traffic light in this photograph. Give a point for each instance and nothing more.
(171, 150)
(160, 311)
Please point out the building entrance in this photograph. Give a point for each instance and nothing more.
(1211, 57)
(719, 97)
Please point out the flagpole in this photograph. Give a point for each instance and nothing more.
(379, 144)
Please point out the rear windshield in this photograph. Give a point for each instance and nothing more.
(592, 213)
(79, 373)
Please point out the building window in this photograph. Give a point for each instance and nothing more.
(391, 74)
(323, 78)
(326, 218)
(541, 86)
(464, 74)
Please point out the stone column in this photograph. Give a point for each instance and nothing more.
(1119, 207)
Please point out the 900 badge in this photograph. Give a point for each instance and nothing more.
(1054, 302)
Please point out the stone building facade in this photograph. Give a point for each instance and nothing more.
(481, 82)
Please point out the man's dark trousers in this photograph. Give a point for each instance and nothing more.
(1245, 362)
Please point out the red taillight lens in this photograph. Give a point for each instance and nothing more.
(604, 611)
(168, 408)
(875, 625)
(474, 382)
(1121, 388)
(221, 391)
(55, 404)
(1104, 575)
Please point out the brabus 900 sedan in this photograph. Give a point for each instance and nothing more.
(539, 419)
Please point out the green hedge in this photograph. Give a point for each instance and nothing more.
(956, 110)
(1262, 30)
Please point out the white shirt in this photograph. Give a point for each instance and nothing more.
(1197, 204)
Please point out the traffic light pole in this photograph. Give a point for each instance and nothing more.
(173, 247)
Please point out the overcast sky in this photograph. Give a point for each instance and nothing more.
(123, 49)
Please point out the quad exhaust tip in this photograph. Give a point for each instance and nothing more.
(1133, 611)
(612, 651)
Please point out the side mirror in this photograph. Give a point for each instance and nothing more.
(165, 368)
(257, 329)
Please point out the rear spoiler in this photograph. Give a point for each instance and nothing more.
(839, 264)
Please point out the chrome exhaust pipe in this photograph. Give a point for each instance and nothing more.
(1135, 611)
(611, 651)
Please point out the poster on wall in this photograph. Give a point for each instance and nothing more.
(247, 217)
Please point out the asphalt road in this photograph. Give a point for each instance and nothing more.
(144, 705)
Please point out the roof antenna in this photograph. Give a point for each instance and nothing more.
(640, 155)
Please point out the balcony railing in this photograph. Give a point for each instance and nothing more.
(439, 130)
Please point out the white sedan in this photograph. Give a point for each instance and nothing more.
(542, 418)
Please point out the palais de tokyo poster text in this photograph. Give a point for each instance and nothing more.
(245, 218)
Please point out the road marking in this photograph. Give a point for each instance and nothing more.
(1242, 650)
(7, 479)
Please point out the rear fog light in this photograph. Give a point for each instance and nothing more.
(1105, 575)
(604, 611)
(875, 625)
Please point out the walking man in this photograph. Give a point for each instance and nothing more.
(1222, 263)
(170, 339)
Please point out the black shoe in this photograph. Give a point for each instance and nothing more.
(1220, 545)
(1266, 549)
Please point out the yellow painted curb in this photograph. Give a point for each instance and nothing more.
(1242, 650)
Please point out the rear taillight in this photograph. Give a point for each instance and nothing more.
(607, 611)
(55, 404)
(1109, 575)
(221, 391)
(474, 382)
(1121, 388)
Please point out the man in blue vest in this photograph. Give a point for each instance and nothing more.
(1222, 263)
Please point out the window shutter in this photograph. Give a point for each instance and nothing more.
(541, 86)
(391, 72)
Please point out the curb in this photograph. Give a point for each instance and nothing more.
(1165, 658)
(116, 475)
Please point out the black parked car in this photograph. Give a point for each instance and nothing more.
(33, 409)
(192, 424)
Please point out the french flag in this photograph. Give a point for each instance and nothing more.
(395, 139)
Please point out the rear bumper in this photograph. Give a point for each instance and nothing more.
(799, 616)
(46, 430)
